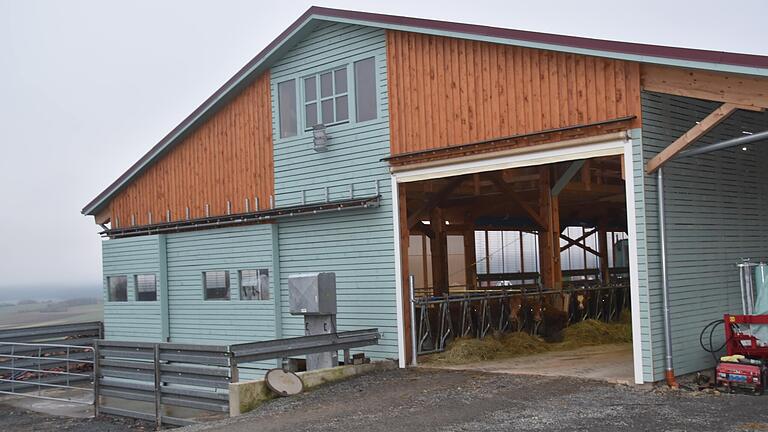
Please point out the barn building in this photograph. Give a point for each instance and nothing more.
(453, 159)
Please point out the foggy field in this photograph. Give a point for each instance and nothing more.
(48, 313)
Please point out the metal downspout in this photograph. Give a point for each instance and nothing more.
(670, 370)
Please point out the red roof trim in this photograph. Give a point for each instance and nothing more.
(687, 54)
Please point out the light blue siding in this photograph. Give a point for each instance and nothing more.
(193, 319)
(356, 244)
(717, 208)
(132, 320)
(642, 253)
(220, 322)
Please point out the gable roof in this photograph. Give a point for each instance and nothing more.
(672, 56)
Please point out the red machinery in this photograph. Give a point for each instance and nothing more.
(747, 367)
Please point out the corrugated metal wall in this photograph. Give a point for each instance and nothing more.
(717, 210)
(356, 244)
(132, 320)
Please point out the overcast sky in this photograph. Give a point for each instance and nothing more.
(87, 87)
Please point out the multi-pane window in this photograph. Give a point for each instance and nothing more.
(146, 287)
(286, 97)
(326, 99)
(117, 288)
(365, 89)
(216, 285)
(254, 284)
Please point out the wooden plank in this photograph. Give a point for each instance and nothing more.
(716, 86)
(693, 134)
(512, 195)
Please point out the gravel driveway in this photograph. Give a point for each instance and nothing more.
(442, 400)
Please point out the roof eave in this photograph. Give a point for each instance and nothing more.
(682, 57)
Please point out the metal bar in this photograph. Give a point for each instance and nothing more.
(668, 358)
(96, 380)
(563, 181)
(411, 287)
(244, 218)
(742, 140)
(158, 403)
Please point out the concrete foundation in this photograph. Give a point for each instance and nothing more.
(247, 395)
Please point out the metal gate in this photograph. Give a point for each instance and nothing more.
(47, 371)
(49, 362)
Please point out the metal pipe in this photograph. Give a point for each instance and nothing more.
(414, 351)
(742, 140)
(670, 370)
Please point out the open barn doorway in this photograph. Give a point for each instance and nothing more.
(521, 270)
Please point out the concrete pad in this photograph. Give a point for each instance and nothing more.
(54, 407)
(612, 363)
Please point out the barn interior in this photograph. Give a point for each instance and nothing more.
(523, 261)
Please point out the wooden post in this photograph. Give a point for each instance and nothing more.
(406, 291)
(602, 244)
(439, 252)
(557, 273)
(470, 260)
(546, 247)
(158, 388)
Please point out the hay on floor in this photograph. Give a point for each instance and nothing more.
(495, 347)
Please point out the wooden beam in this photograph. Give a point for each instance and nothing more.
(572, 242)
(688, 138)
(511, 194)
(406, 289)
(470, 260)
(439, 249)
(567, 176)
(749, 91)
(585, 247)
(602, 242)
(433, 201)
(424, 229)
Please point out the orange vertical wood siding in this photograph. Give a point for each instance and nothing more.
(447, 91)
(227, 158)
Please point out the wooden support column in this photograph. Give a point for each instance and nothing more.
(470, 259)
(549, 238)
(406, 287)
(602, 244)
(439, 246)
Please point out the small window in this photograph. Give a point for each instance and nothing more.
(254, 284)
(325, 98)
(286, 96)
(117, 288)
(146, 287)
(365, 89)
(216, 285)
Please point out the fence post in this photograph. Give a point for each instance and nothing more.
(96, 368)
(158, 398)
(234, 373)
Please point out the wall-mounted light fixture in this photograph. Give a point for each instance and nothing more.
(320, 138)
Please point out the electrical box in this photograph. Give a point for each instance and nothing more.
(312, 294)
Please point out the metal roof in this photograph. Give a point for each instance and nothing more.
(684, 57)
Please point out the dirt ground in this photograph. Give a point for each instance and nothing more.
(450, 400)
(443, 400)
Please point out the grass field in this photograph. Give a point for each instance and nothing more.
(38, 314)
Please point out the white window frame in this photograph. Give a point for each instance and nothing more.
(319, 99)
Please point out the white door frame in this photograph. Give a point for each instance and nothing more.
(610, 147)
